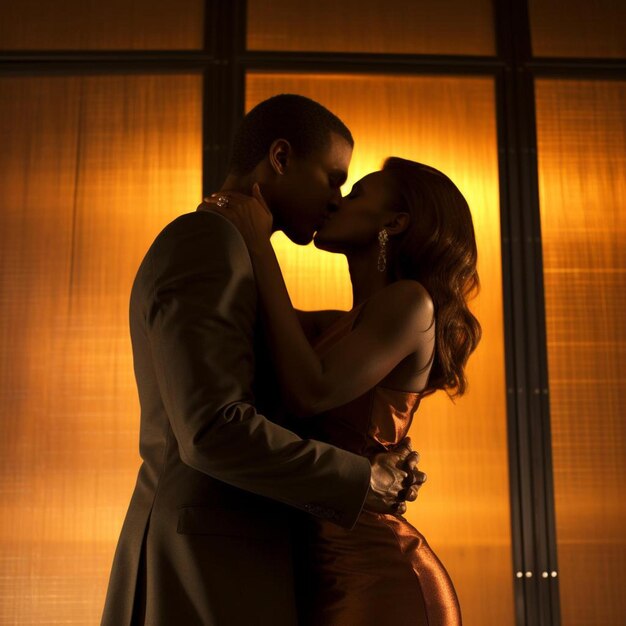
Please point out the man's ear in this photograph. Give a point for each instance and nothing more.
(279, 154)
(397, 223)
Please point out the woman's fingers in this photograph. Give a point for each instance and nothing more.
(249, 213)
(238, 200)
(400, 508)
(412, 461)
(411, 494)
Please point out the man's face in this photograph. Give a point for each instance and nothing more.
(309, 191)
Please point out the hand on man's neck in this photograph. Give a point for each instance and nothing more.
(243, 184)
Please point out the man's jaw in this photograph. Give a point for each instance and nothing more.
(299, 237)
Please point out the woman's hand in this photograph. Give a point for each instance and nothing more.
(249, 214)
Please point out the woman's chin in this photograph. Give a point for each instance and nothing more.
(318, 243)
(321, 243)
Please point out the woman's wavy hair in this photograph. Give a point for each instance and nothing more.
(438, 249)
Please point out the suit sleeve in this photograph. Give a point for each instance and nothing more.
(200, 318)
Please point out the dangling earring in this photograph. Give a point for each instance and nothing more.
(383, 238)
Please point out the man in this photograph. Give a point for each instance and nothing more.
(206, 539)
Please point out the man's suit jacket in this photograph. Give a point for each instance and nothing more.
(206, 539)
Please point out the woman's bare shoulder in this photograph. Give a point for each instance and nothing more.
(401, 313)
(405, 299)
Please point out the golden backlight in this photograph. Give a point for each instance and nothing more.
(91, 169)
(448, 123)
(581, 132)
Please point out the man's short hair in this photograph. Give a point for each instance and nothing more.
(304, 123)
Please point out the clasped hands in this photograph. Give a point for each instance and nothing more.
(395, 479)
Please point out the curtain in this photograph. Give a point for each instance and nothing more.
(111, 25)
(578, 28)
(581, 132)
(392, 26)
(91, 169)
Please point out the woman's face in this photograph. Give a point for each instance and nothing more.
(359, 218)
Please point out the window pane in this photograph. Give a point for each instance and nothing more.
(578, 28)
(110, 25)
(392, 26)
(582, 175)
(91, 169)
(449, 123)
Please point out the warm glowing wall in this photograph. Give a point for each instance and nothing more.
(90, 170)
(581, 130)
(448, 123)
(110, 25)
(393, 26)
(578, 28)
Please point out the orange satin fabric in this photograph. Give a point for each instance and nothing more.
(383, 570)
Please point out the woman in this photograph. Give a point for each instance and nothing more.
(408, 236)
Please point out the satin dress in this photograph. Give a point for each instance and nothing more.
(383, 570)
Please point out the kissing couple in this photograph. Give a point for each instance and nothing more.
(276, 465)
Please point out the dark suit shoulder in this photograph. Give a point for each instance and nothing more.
(200, 219)
(189, 247)
(202, 225)
(200, 239)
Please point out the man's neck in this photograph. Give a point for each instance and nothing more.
(242, 184)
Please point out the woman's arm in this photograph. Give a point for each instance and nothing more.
(396, 322)
(314, 323)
